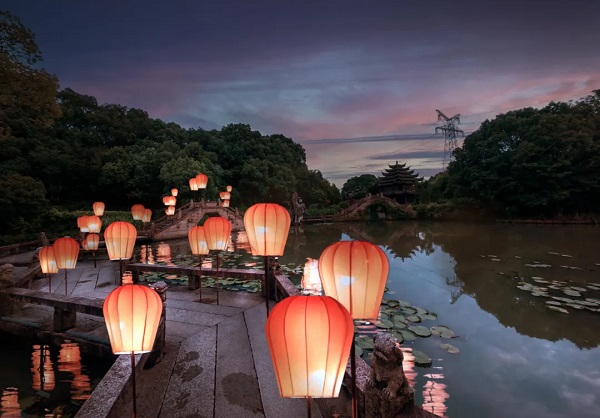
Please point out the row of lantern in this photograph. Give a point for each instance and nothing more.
(200, 181)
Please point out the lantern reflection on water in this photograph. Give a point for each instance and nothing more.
(146, 254)
(9, 404)
(163, 254)
(69, 361)
(311, 281)
(42, 370)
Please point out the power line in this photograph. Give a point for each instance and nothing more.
(450, 130)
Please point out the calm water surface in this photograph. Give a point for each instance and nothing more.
(517, 358)
(45, 381)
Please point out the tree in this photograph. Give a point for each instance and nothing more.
(357, 187)
(22, 201)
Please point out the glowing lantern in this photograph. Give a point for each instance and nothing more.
(66, 251)
(225, 203)
(193, 184)
(170, 211)
(137, 211)
(132, 314)
(48, 264)
(82, 223)
(98, 208)
(147, 215)
(267, 226)
(202, 181)
(90, 242)
(94, 224)
(170, 200)
(197, 240)
(217, 230)
(309, 338)
(120, 240)
(174, 192)
(166, 200)
(225, 195)
(229, 188)
(355, 273)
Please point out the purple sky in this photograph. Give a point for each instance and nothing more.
(355, 82)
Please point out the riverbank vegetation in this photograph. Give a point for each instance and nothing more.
(62, 150)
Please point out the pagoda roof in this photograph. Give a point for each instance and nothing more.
(398, 173)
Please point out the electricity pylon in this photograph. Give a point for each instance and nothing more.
(450, 130)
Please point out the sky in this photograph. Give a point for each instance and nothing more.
(356, 83)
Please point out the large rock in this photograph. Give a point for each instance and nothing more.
(388, 394)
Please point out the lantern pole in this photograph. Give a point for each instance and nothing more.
(94, 257)
(217, 278)
(49, 283)
(133, 383)
(200, 277)
(65, 282)
(267, 283)
(308, 405)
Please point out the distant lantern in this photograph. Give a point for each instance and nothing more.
(98, 208)
(82, 223)
(267, 226)
(147, 215)
(170, 211)
(197, 240)
(90, 242)
(132, 314)
(66, 251)
(137, 211)
(355, 273)
(309, 339)
(225, 195)
(225, 203)
(166, 200)
(94, 224)
(202, 181)
(193, 184)
(174, 192)
(228, 188)
(171, 200)
(217, 230)
(120, 239)
(47, 260)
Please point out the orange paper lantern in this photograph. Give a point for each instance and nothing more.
(309, 338)
(171, 200)
(225, 203)
(193, 184)
(197, 240)
(94, 224)
(217, 230)
(137, 211)
(229, 188)
(355, 274)
(225, 195)
(120, 240)
(174, 192)
(66, 251)
(202, 181)
(82, 223)
(47, 260)
(147, 215)
(267, 226)
(98, 208)
(90, 243)
(170, 211)
(132, 314)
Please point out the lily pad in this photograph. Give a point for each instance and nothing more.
(409, 310)
(557, 309)
(392, 303)
(430, 316)
(385, 324)
(450, 348)
(398, 335)
(358, 350)
(553, 302)
(365, 342)
(413, 318)
(575, 306)
(408, 335)
(421, 359)
(571, 293)
(420, 330)
(442, 331)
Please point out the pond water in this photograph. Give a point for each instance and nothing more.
(45, 381)
(490, 285)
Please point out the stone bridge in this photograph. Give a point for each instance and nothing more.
(356, 211)
(187, 216)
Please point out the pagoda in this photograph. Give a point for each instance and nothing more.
(398, 182)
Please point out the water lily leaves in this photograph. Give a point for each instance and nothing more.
(413, 318)
(409, 310)
(557, 309)
(398, 335)
(450, 348)
(421, 359)
(442, 331)
(408, 335)
(570, 292)
(578, 289)
(384, 324)
(553, 302)
(429, 315)
(420, 330)
(392, 303)
(540, 280)
(575, 306)
(365, 342)
(358, 350)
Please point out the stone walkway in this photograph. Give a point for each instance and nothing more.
(216, 364)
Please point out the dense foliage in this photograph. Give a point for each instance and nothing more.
(359, 186)
(64, 149)
(532, 162)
